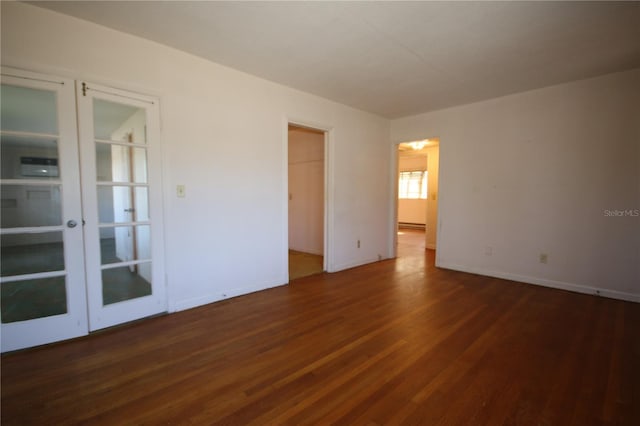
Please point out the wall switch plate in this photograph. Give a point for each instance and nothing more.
(544, 257)
(181, 191)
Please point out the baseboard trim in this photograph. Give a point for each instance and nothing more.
(577, 288)
(411, 225)
(314, 252)
(195, 302)
(350, 265)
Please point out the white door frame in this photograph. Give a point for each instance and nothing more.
(393, 214)
(393, 206)
(327, 260)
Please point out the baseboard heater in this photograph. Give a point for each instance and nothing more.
(407, 225)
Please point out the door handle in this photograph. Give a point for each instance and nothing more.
(71, 223)
(129, 210)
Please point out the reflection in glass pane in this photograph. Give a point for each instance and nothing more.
(28, 110)
(104, 172)
(141, 194)
(25, 157)
(119, 122)
(30, 299)
(31, 253)
(117, 163)
(125, 283)
(125, 243)
(119, 204)
(30, 205)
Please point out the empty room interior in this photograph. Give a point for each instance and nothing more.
(374, 213)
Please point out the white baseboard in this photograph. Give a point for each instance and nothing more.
(307, 250)
(355, 264)
(195, 302)
(578, 288)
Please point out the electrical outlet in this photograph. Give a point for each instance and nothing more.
(544, 258)
(358, 243)
(181, 191)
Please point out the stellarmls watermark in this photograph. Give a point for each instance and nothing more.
(622, 213)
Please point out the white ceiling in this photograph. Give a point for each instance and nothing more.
(391, 58)
(406, 150)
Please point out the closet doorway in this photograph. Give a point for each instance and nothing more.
(306, 183)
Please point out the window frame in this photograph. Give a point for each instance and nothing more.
(407, 180)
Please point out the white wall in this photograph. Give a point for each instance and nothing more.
(306, 191)
(216, 122)
(536, 173)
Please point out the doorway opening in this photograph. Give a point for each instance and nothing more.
(417, 200)
(306, 183)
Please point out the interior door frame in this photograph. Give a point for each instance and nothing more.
(100, 315)
(327, 260)
(74, 323)
(393, 207)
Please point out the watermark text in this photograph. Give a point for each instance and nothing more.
(622, 213)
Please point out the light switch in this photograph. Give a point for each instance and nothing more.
(181, 191)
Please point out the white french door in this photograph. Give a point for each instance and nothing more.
(120, 159)
(79, 249)
(42, 282)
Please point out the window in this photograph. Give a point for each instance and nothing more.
(413, 184)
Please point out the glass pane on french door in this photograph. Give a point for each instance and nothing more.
(29, 131)
(119, 134)
(42, 265)
(121, 157)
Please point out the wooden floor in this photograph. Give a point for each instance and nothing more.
(395, 342)
(304, 264)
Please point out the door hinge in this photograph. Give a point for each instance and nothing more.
(84, 89)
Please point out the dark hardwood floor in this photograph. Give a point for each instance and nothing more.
(395, 342)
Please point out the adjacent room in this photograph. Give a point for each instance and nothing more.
(320, 213)
(417, 204)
